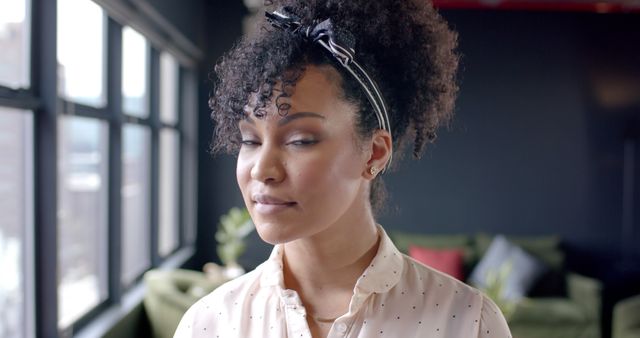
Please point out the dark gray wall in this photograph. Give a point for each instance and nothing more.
(186, 16)
(531, 150)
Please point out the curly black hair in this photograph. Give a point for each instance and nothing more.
(404, 45)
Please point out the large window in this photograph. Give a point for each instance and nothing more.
(92, 138)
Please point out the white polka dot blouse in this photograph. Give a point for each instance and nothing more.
(395, 297)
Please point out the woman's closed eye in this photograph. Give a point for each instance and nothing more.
(303, 142)
(297, 143)
(249, 142)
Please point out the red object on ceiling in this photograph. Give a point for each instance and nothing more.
(532, 5)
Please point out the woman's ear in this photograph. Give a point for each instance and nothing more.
(380, 153)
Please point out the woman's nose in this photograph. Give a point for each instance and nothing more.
(268, 166)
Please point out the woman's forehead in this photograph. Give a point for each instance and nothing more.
(316, 91)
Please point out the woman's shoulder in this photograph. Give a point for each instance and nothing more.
(429, 277)
(492, 321)
(442, 291)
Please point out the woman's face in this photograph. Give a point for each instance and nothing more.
(302, 173)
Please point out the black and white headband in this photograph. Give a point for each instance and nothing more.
(341, 45)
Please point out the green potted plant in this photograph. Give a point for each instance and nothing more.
(496, 281)
(233, 228)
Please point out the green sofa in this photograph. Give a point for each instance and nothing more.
(169, 294)
(561, 304)
(626, 318)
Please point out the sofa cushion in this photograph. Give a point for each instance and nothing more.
(545, 248)
(521, 269)
(448, 261)
(402, 240)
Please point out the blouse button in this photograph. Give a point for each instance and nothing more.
(341, 327)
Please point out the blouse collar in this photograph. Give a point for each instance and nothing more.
(382, 274)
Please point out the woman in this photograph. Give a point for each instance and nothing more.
(317, 106)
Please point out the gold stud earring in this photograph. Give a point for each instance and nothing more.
(373, 171)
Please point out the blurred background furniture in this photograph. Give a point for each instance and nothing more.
(560, 305)
(626, 318)
(170, 293)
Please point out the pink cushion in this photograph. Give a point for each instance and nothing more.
(448, 261)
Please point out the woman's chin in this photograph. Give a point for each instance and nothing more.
(273, 233)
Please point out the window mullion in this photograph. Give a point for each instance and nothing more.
(19, 99)
(45, 79)
(114, 108)
(154, 118)
(190, 127)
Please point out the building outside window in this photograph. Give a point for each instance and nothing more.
(16, 175)
(16, 223)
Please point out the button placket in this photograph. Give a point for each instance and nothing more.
(290, 298)
(339, 329)
(295, 313)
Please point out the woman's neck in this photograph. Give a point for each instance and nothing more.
(325, 267)
(333, 259)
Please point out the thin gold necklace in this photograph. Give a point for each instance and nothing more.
(323, 320)
(318, 319)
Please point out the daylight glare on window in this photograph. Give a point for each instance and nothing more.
(14, 43)
(81, 62)
(169, 77)
(134, 73)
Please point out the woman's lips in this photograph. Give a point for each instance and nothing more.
(267, 204)
(272, 208)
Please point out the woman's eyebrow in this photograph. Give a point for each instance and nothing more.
(288, 118)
